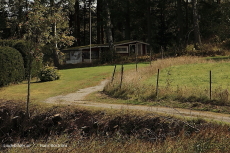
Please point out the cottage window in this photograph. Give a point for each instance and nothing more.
(122, 49)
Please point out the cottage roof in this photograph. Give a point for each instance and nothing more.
(103, 45)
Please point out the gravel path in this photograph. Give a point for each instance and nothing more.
(77, 98)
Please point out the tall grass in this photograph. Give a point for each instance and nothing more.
(181, 78)
(121, 131)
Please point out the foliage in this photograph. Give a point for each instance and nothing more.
(49, 74)
(106, 56)
(12, 69)
(167, 23)
(46, 25)
(8, 42)
(208, 49)
(22, 46)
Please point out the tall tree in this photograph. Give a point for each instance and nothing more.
(77, 24)
(108, 27)
(197, 39)
(127, 20)
(99, 22)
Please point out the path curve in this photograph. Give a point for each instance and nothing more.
(77, 98)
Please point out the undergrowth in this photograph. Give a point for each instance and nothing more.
(74, 129)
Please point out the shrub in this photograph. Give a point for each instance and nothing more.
(49, 74)
(7, 42)
(22, 47)
(12, 69)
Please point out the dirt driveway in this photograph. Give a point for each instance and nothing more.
(77, 98)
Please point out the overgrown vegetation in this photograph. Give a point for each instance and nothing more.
(87, 130)
(12, 69)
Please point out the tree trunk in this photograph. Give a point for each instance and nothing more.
(127, 21)
(149, 34)
(162, 28)
(84, 18)
(77, 22)
(54, 31)
(180, 25)
(197, 41)
(108, 28)
(56, 58)
(28, 85)
(102, 33)
(187, 24)
(109, 31)
(90, 22)
(99, 21)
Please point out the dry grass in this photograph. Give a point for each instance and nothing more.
(120, 131)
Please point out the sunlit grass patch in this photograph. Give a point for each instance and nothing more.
(71, 80)
(184, 79)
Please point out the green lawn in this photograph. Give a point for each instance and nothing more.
(71, 80)
(194, 75)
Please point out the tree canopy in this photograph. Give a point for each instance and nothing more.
(167, 24)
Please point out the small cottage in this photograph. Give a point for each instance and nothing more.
(124, 48)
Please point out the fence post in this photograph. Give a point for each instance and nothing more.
(122, 71)
(136, 63)
(114, 71)
(210, 76)
(158, 73)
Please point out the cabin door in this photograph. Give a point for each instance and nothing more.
(132, 49)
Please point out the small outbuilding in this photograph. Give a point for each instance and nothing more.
(81, 54)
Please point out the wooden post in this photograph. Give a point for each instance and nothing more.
(114, 71)
(136, 63)
(210, 75)
(157, 86)
(122, 71)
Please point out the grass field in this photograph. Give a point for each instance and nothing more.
(194, 75)
(71, 80)
(116, 130)
(183, 79)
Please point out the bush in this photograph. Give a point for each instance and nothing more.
(22, 47)
(49, 74)
(12, 66)
(7, 42)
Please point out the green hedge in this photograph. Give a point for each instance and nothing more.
(12, 66)
(22, 47)
(8, 42)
